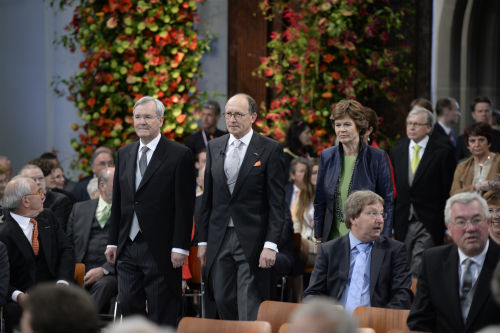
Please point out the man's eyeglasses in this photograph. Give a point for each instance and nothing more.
(462, 224)
(374, 215)
(411, 124)
(39, 192)
(236, 115)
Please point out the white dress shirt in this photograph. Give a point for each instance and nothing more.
(423, 143)
(475, 267)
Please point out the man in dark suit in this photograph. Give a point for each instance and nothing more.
(210, 114)
(101, 159)
(4, 274)
(242, 212)
(423, 172)
(363, 268)
(151, 217)
(58, 203)
(37, 247)
(453, 290)
(88, 229)
(481, 111)
(448, 115)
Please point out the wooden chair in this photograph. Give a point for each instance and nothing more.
(196, 283)
(276, 313)
(284, 328)
(380, 319)
(79, 273)
(414, 282)
(203, 325)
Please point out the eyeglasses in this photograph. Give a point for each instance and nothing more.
(236, 115)
(462, 223)
(411, 124)
(374, 215)
(146, 117)
(39, 192)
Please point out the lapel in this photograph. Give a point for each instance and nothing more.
(449, 278)
(376, 259)
(157, 159)
(253, 154)
(86, 222)
(131, 165)
(219, 157)
(483, 283)
(344, 265)
(20, 239)
(45, 238)
(427, 158)
(402, 164)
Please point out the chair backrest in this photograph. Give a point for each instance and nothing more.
(79, 273)
(380, 319)
(414, 282)
(199, 325)
(194, 265)
(276, 313)
(284, 328)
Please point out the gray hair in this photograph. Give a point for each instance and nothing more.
(13, 194)
(211, 105)
(464, 199)
(160, 108)
(335, 318)
(355, 203)
(102, 150)
(93, 186)
(28, 167)
(429, 117)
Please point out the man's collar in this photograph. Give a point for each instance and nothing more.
(446, 129)
(152, 144)
(102, 202)
(244, 139)
(23, 221)
(479, 259)
(354, 241)
(422, 143)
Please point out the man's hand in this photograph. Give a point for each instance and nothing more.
(110, 254)
(21, 298)
(202, 254)
(93, 275)
(178, 259)
(267, 258)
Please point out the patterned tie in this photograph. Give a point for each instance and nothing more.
(452, 138)
(466, 287)
(104, 216)
(415, 159)
(34, 237)
(143, 162)
(357, 278)
(233, 165)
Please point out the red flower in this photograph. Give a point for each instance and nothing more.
(328, 58)
(137, 67)
(91, 102)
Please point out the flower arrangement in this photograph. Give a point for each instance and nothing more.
(329, 50)
(132, 48)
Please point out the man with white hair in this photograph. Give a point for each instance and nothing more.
(453, 293)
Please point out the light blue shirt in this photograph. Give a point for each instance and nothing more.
(365, 293)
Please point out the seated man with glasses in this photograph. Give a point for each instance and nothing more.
(363, 268)
(453, 291)
(37, 247)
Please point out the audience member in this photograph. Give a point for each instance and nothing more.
(210, 114)
(453, 285)
(93, 188)
(68, 184)
(321, 315)
(37, 247)
(481, 108)
(363, 268)
(448, 115)
(3, 181)
(200, 162)
(297, 142)
(421, 102)
(102, 158)
(480, 172)
(242, 212)
(423, 172)
(347, 167)
(54, 180)
(7, 166)
(151, 217)
(59, 309)
(4, 274)
(136, 324)
(493, 200)
(88, 231)
(314, 171)
(58, 203)
(495, 120)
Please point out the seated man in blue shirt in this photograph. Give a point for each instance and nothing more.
(363, 268)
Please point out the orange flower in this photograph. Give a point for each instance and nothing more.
(327, 94)
(108, 78)
(329, 58)
(335, 75)
(91, 102)
(74, 127)
(137, 67)
(180, 118)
